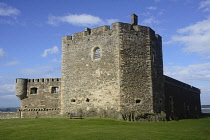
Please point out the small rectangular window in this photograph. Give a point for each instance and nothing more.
(54, 90)
(138, 101)
(33, 90)
(73, 100)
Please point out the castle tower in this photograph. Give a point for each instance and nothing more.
(90, 72)
(106, 71)
(112, 72)
(21, 88)
(141, 69)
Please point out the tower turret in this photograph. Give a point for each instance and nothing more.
(21, 88)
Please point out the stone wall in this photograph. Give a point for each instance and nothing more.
(157, 72)
(141, 72)
(182, 100)
(43, 96)
(39, 112)
(135, 69)
(122, 80)
(91, 86)
(9, 115)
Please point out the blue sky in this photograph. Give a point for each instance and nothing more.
(31, 33)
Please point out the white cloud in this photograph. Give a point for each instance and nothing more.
(150, 21)
(205, 4)
(42, 71)
(195, 37)
(205, 94)
(11, 63)
(9, 101)
(146, 14)
(79, 20)
(6, 10)
(7, 88)
(152, 8)
(190, 73)
(56, 61)
(109, 21)
(50, 51)
(1, 52)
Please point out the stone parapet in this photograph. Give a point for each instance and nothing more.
(9, 115)
(180, 84)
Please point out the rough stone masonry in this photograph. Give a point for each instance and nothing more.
(114, 72)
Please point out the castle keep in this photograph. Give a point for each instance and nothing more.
(112, 72)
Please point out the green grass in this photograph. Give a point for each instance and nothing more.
(102, 129)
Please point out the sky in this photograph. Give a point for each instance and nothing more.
(31, 36)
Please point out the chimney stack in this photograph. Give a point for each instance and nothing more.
(134, 19)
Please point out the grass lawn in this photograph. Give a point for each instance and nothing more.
(103, 129)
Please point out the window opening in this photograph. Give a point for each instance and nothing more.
(87, 100)
(97, 53)
(73, 100)
(54, 90)
(34, 90)
(138, 101)
(153, 57)
(171, 104)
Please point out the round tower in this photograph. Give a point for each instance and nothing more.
(21, 88)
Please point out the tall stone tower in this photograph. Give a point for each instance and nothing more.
(106, 71)
(111, 72)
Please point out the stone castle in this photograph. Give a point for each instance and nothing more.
(112, 72)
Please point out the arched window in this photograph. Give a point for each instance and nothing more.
(96, 53)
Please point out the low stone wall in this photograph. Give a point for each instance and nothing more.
(9, 115)
(41, 112)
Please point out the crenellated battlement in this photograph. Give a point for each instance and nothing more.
(41, 80)
(87, 32)
(116, 27)
(44, 80)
